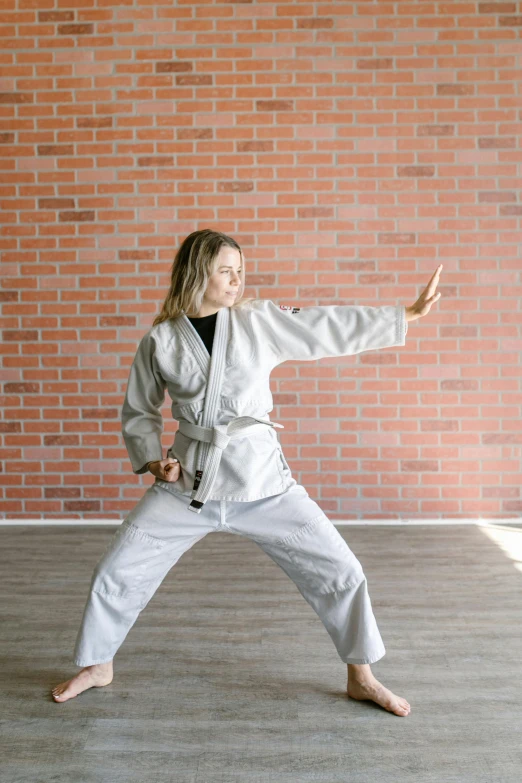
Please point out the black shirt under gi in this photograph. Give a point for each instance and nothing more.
(205, 327)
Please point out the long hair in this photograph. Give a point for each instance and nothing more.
(193, 264)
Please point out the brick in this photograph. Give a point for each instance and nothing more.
(159, 160)
(455, 89)
(16, 97)
(436, 130)
(496, 8)
(194, 133)
(62, 492)
(378, 63)
(55, 149)
(94, 122)
(76, 29)
(316, 23)
(20, 335)
(21, 388)
(235, 187)
(496, 197)
(55, 203)
(416, 171)
(195, 80)
(510, 21)
(55, 16)
(176, 66)
(497, 143)
(77, 217)
(79, 506)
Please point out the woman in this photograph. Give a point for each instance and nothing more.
(214, 351)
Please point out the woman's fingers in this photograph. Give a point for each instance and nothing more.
(432, 285)
(428, 303)
(428, 296)
(433, 280)
(172, 470)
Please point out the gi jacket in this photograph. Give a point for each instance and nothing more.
(226, 441)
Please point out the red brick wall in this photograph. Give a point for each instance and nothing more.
(350, 148)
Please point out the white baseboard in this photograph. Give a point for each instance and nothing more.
(337, 522)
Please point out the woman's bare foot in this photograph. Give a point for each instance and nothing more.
(365, 687)
(90, 677)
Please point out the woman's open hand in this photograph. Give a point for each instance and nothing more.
(166, 469)
(428, 297)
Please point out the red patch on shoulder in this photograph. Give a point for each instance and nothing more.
(289, 307)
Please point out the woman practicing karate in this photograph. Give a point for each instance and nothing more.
(214, 351)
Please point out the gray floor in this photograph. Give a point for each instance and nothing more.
(228, 675)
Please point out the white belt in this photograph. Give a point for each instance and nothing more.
(218, 437)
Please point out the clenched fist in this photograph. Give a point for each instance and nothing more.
(166, 469)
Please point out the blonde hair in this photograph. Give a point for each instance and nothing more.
(193, 264)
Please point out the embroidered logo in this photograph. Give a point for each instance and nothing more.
(288, 307)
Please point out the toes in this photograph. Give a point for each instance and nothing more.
(403, 707)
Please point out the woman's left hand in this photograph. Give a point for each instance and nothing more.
(428, 297)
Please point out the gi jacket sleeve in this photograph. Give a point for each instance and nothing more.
(320, 331)
(141, 418)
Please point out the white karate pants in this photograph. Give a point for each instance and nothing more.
(290, 527)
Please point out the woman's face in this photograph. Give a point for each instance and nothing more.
(224, 283)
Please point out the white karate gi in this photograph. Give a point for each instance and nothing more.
(233, 473)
